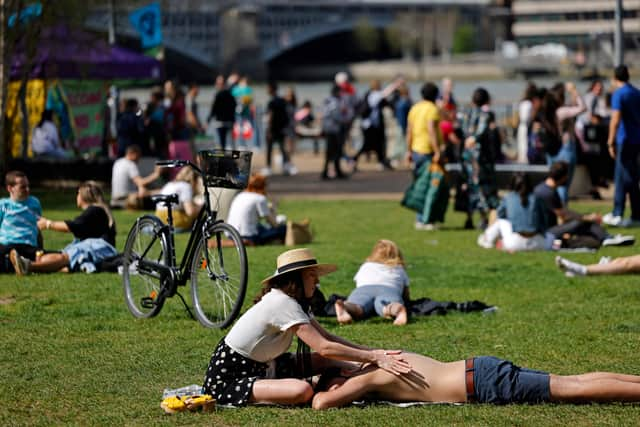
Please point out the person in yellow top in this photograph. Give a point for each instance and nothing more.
(424, 138)
(424, 148)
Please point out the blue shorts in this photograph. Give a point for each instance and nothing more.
(500, 381)
(88, 251)
(374, 298)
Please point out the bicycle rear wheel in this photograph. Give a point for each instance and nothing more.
(146, 246)
(219, 277)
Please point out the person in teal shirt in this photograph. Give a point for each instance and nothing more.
(19, 215)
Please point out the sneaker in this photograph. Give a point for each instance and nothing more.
(289, 169)
(20, 264)
(612, 220)
(425, 227)
(265, 171)
(483, 242)
(604, 260)
(570, 268)
(619, 240)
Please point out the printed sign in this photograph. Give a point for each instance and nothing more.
(147, 22)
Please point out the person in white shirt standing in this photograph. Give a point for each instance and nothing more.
(249, 208)
(382, 286)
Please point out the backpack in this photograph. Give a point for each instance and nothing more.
(363, 109)
(551, 142)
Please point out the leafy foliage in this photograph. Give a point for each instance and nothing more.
(464, 39)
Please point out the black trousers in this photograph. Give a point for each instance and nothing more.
(333, 153)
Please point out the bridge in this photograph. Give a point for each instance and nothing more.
(247, 35)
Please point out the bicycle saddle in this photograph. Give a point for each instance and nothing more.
(167, 199)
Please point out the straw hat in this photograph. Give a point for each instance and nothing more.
(297, 259)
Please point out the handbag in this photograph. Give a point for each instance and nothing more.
(298, 233)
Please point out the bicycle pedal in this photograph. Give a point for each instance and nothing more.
(147, 302)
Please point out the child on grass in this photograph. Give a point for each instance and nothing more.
(382, 285)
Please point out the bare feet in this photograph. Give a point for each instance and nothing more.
(342, 314)
(396, 311)
(401, 317)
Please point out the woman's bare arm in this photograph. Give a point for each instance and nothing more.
(391, 361)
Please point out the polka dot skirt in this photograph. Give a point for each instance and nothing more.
(230, 376)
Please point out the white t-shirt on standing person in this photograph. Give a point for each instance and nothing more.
(264, 331)
(245, 212)
(375, 273)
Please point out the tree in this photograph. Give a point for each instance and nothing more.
(366, 35)
(464, 39)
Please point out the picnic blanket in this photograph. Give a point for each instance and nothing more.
(323, 307)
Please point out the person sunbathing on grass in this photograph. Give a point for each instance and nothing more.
(475, 380)
(606, 265)
(251, 364)
(382, 286)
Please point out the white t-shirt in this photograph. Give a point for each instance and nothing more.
(45, 139)
(245, 212)
(123, 172)
(374, 273)
(263, 332)
(181, 188)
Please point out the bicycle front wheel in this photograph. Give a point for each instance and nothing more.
(219, 277)
(145, 250)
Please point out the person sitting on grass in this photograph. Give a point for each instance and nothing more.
(95, 237)
(185, 186)
(483, 379)
(251, 364)
(521, 219)
(251, 206)
(569, 229)
(19, 215)
(606, 265)
(382, 286)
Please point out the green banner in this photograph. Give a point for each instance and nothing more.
(85, 100)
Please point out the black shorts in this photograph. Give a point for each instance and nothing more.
(230, 376)
(24, 250)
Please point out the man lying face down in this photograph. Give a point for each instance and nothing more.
(479, 379)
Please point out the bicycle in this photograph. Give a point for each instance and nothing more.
(214, 260)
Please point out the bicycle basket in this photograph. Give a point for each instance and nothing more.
(226, 168)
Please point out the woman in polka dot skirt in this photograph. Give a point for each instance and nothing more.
(251, 364)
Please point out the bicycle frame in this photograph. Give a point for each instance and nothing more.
(177, 276)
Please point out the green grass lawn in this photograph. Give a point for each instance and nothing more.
(72, 354)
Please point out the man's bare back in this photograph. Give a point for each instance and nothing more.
(429, 381)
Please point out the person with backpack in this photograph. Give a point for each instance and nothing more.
(482, 148)
(333, 122)
(372, 121)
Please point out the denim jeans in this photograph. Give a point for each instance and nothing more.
(626, 177)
